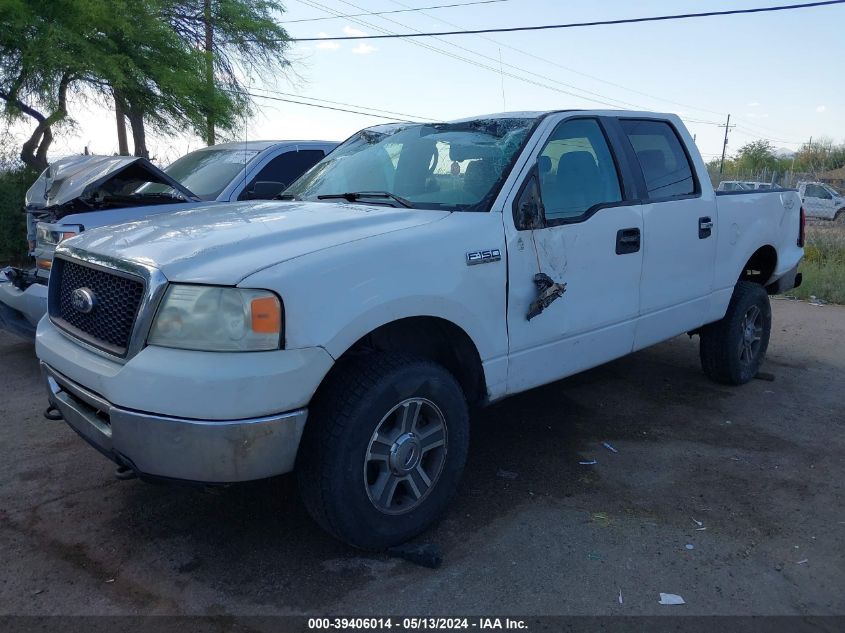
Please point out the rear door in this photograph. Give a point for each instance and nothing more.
(679, 232)
(575, 221)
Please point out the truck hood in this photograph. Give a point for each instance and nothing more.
(79, 177)
(224, 243)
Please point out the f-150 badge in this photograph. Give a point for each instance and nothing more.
(483, 257)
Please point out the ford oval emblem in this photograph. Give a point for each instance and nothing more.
(83, 300)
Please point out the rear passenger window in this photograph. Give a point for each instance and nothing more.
(577, 170)
(665, 166)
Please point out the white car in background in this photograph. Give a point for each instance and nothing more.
(80, 193)
(821, 200)
(743, 185)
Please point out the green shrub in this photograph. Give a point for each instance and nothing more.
(824, 263)
(13, 186)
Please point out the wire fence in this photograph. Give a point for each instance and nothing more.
(787, 179)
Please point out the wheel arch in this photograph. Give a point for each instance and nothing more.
(760, 266)
(433, 338)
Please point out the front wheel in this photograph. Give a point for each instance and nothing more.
(733, 348)
(383, 449)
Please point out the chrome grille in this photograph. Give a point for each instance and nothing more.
(117, 297)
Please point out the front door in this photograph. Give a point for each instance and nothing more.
(586, 235)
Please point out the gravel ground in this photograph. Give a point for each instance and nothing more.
(730, 497)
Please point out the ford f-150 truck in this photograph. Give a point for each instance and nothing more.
(84, 192)
(418, 271)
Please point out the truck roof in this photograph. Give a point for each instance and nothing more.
(262, 145)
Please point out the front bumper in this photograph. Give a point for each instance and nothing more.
(20, 310)
(156, 446)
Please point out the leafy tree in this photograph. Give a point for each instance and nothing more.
(141, 53)
(756, 155)
(244, 39)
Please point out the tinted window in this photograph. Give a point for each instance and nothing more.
(664, 163)
(577, 170)
(285, 168)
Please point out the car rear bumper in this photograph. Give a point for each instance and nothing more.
(156, 446)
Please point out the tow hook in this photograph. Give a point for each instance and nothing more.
(124, 473)
(549, 291)
(52, 413)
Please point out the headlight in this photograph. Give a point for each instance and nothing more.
(215, 319)
(46, 235)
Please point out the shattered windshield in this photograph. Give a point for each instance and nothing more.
(428, 166)
(205, 172)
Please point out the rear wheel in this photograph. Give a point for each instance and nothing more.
(733, 348)
(383, 449)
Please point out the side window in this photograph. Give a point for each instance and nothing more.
(284, 169)
(815, 191)
(577, 170)
(664, 164)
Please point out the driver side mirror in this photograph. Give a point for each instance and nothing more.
(527, 210)
(265, 190)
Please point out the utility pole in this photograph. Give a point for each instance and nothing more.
(727, 127)
(209, 71)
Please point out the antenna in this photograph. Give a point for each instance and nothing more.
(502, 75)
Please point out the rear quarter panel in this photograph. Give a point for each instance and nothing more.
(746, 222)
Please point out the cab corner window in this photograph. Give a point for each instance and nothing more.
(665, 166)
(577, 171)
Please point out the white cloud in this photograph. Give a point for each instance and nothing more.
(753, 104)
(364, 49)
(821, 108)
(326, 46)
(353, 32)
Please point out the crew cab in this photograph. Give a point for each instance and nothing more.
(822, 201)
(80, 193)
(417, 272)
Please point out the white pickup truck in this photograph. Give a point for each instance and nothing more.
(416, 272)
(822, 201)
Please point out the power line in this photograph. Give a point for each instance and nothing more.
(315, 105)
(545, 27)
(406, 10)
(495, 67)
(577, 72)
(342, 103)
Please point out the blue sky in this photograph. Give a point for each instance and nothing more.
(778, 74)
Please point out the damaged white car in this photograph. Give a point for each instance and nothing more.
(79, 193)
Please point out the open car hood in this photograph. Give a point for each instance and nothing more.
(86, 178)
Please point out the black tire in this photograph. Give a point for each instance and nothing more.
(726, 355)
(332, 467)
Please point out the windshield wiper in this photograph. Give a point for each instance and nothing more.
(285, 196)
(354, 196)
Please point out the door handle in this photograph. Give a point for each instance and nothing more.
(627, 241)
(705, 227)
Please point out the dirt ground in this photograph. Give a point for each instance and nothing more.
(730, 497)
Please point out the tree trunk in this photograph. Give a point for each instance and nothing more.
(209, 71)
(139, 135)
(35, 148)
(122, 145)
